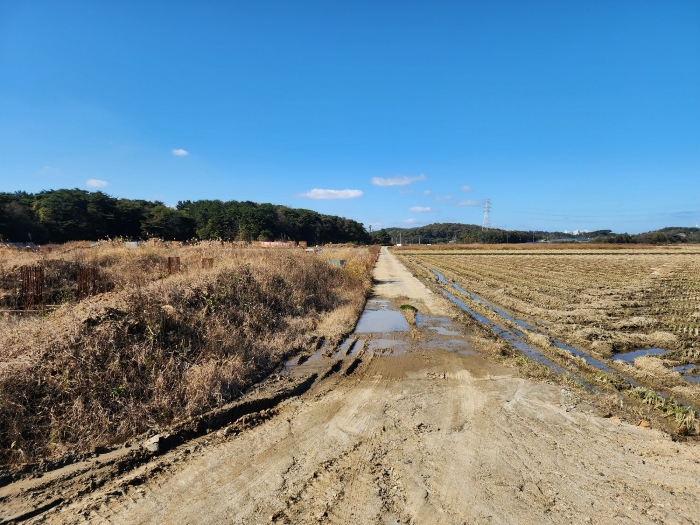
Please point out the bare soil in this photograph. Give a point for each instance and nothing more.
(424, 429)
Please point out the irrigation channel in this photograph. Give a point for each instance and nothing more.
(517, 339)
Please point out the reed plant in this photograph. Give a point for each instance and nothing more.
(161, 348)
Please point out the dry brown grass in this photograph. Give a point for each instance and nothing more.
(157, 349)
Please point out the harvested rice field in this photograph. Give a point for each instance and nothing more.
(636, 311)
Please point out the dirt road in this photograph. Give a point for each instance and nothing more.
(424, 430)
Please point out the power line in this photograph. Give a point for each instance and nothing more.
(604, 215)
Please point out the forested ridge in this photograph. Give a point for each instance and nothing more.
(440, 233)
(67, 215)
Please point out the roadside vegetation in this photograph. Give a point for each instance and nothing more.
(149, 347)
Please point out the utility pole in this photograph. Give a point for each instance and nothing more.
(487, 218)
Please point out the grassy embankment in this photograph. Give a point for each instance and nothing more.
(158, 348)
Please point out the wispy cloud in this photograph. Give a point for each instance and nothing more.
(443, 197)
(466, 188)
(96, 183)
(410, 221)
(397, 180)
(419, 209)
(427, 192)
(469, 202)
(317, 193)
(179, 152)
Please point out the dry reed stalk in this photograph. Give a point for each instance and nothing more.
(157, 350)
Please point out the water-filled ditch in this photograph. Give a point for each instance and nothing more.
(515, 338)
(627, 357)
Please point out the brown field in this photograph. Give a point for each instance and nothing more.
(602, 301)
(541, 247)
(148, 348)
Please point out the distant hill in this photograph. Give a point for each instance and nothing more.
(669, 235)
(441, 233)
(68, 215)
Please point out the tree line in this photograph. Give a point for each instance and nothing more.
(66, 215)
(670, 235)
(441, 233)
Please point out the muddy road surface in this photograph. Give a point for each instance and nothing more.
(412, 426)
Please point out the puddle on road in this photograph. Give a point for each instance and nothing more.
(379, 318)
(379, 304)
(441, 330)
(344, 348)
(316, 355)
(307, 363)
(629, 357)
(357, 348)
(423, 321)
(385, 347)
(458, 346)
(292, 362)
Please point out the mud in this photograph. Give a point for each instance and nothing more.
(427, 436)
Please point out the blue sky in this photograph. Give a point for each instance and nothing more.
(566, 115)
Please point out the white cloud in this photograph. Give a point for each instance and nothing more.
(420, 209)
(397, 180)
(443, 197)
(179, 152)
(427, 192)
(410, 221)
(96, 183)
(470, 202)
(467, 188)
(317, 193)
